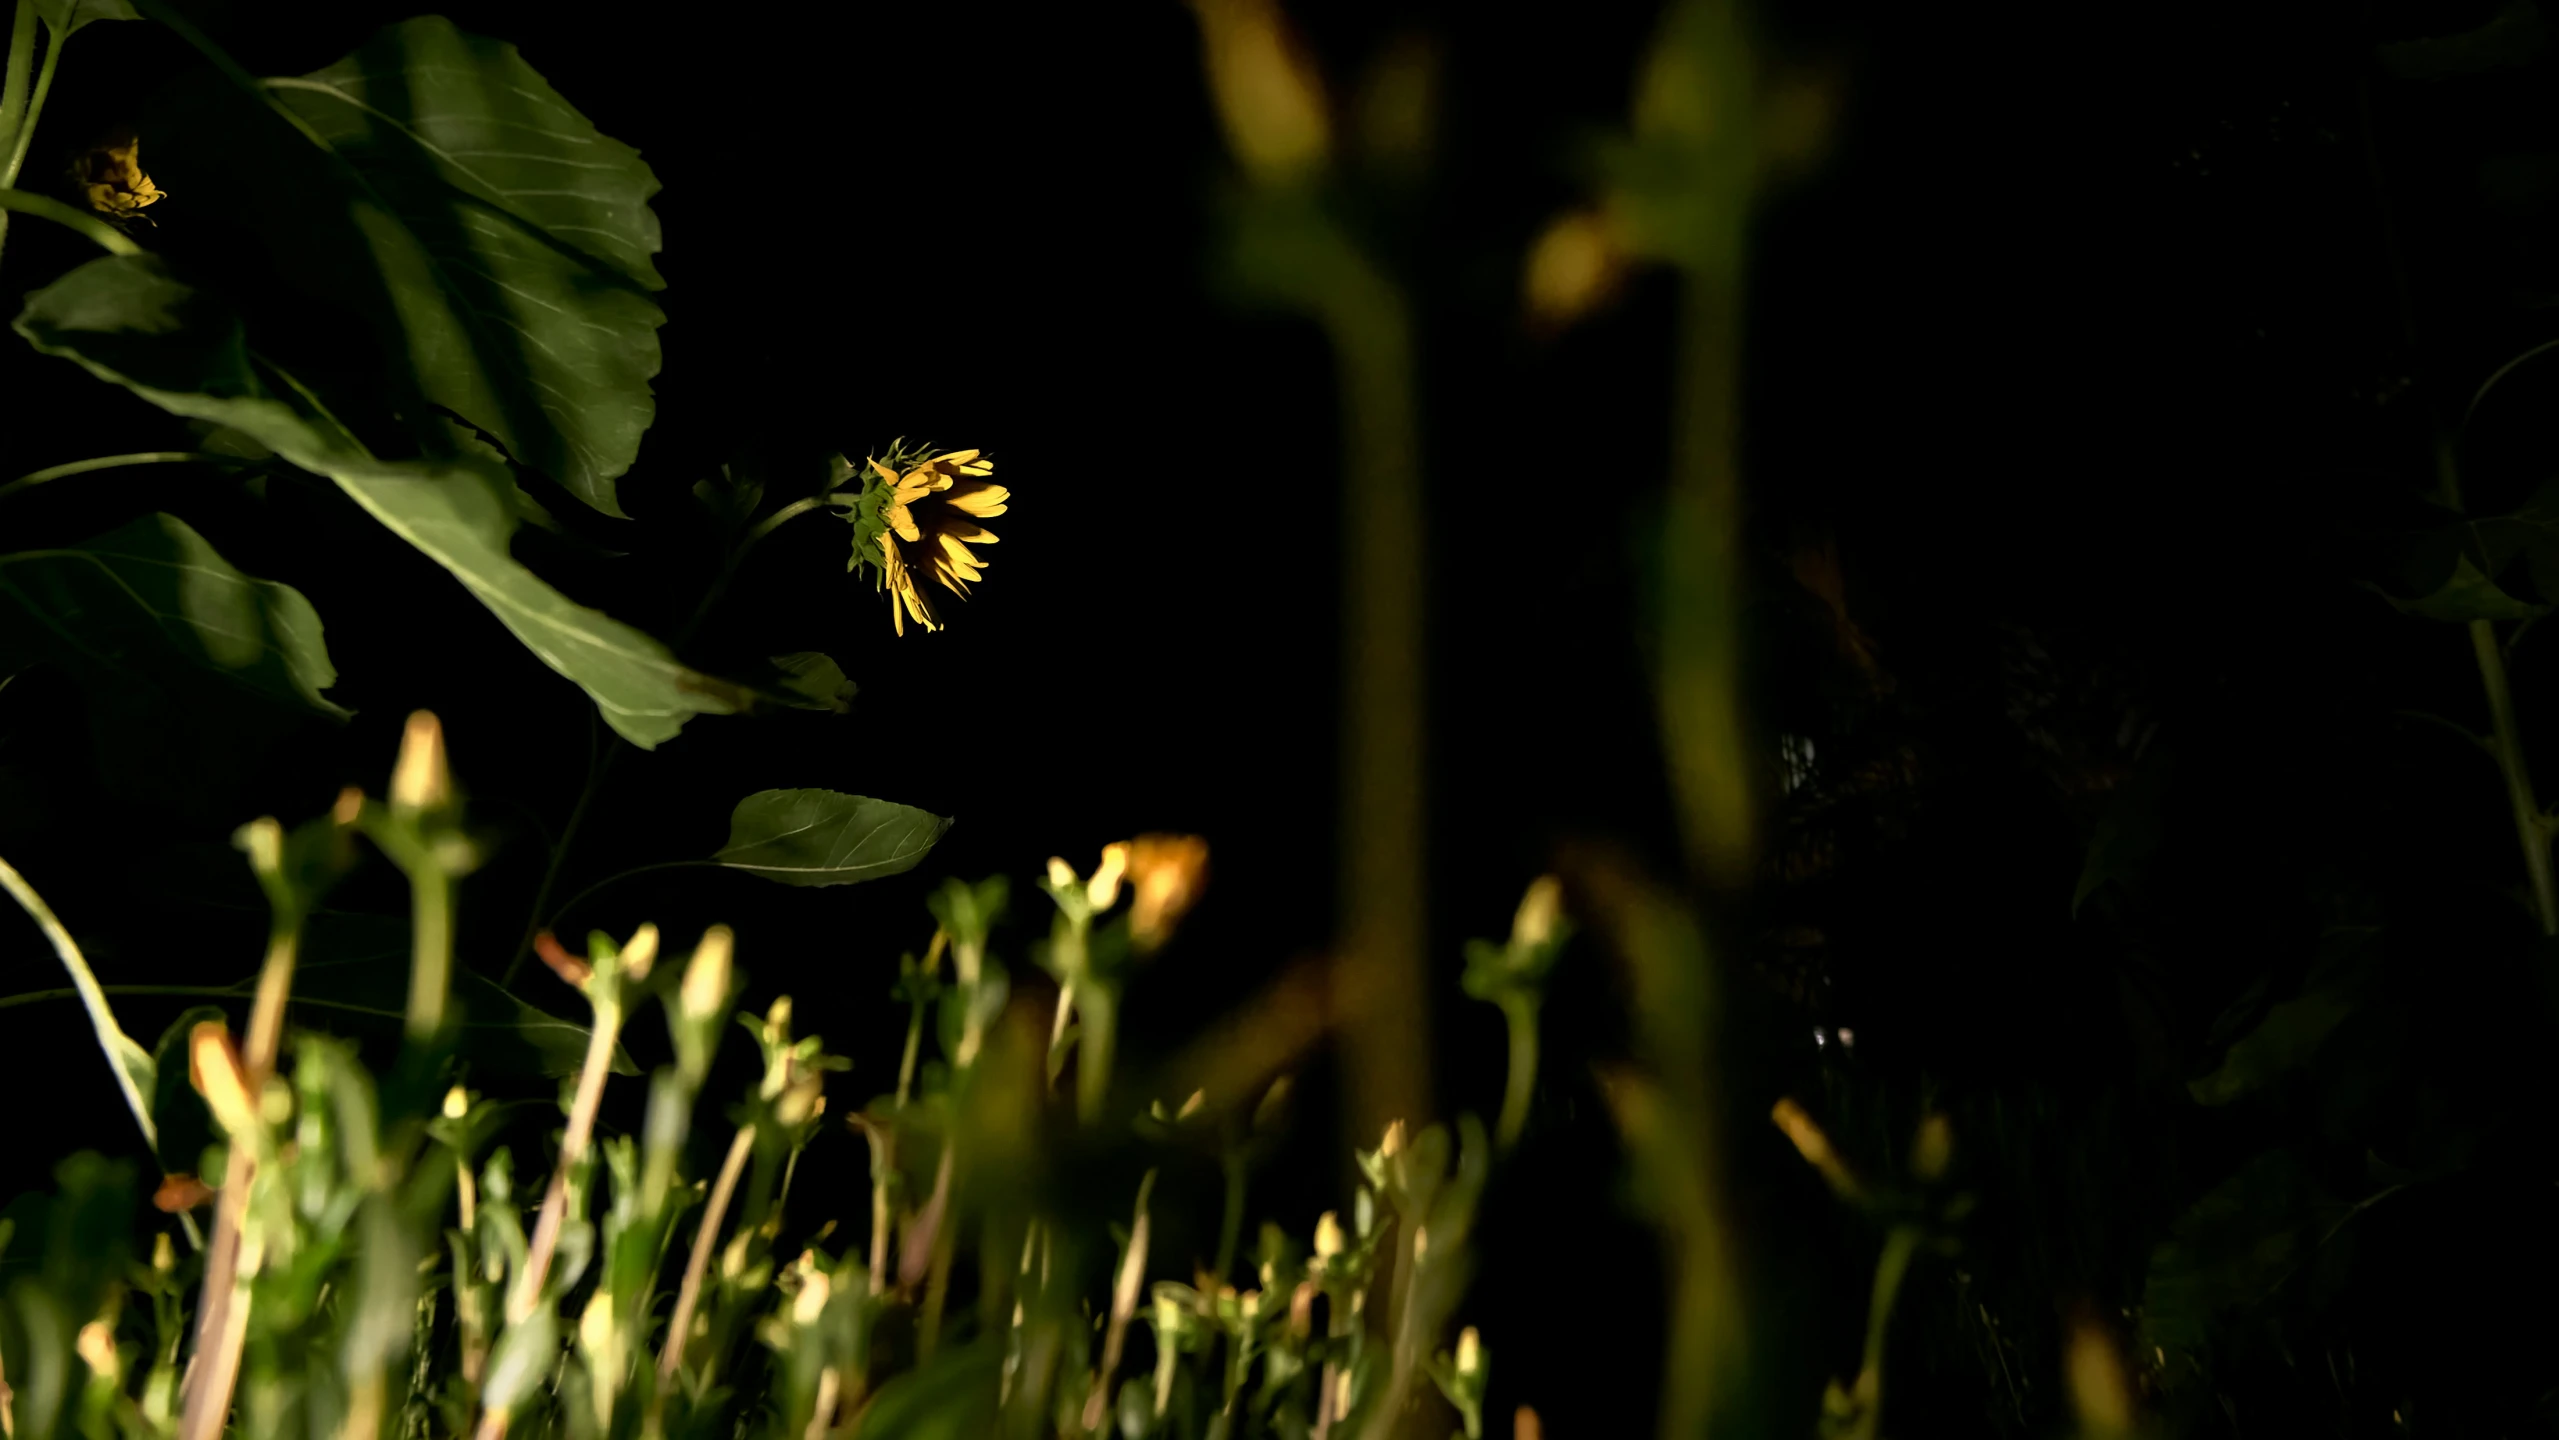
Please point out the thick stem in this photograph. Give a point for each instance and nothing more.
(2530, 830)
(13, 78)
(44, 207)
(35, 106)
(1382, 810)
(431, 941)
(1098, 1019)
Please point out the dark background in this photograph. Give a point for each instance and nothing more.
(2083, 344)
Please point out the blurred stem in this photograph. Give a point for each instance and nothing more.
(1700, 639)
(1899, 1246)
(1097, 1016)
(431, 942)
(1519, 1010)
(1367, 317)
(937, 1282)
(688, 1294)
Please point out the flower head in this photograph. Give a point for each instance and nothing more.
(917, 523)
(109, 175)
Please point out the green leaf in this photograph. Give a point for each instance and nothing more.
(2231, 1251)
(65, 17)
(128, 320)
(498, 246)
(2290, 1035)
(2129, 832)
(824, 837)
(155, 595)
(2467, 594)
(951, 1397)
(2511, 39)
(816, 679)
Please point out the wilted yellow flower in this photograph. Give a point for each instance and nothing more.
(931, 513)
(1167, 872)
(110, 178)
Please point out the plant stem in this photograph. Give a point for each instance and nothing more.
(35, 105)
(431, 941)
(13, 80)
(689, 1292)
(1521, 1013)
(44, 207)
(1097, 1015)
(1899, 1246)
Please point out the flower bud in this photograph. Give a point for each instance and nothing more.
(1539, 909)
(1266, 88)
(213, 1067)
(1060, 874)
(1470, 1351)
(1934, 1147)
(641, 953)
(815, 1288)
(706, 976)
(421, 780)
(457, 1103)
(1328, 1236)
(1103, 890)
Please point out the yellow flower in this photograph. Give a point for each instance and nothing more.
(931, 513)
(110, 178)
(1167, 872)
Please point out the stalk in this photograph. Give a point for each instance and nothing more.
(35, 104)
(1520, 1012)
(689, 1292)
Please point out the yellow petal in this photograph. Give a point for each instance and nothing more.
(957, 457)
(885, 472)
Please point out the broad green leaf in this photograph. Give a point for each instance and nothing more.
(2467, 594)
(2245, 1238)
(65, 17)
(951, 1397)
(2511, 39)
(128, 320)
(2290, 1034)
(824, 837)
(498, 246)
(155, 595)
(816, 680)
